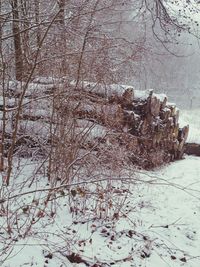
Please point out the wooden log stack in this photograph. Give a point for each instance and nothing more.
(142, 118)
(145, 124)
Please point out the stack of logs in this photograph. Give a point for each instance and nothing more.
(142, 122)
(145, 122)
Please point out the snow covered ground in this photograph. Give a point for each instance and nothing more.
(157, 225)
(149, 219)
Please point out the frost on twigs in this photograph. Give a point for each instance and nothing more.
(75, 177)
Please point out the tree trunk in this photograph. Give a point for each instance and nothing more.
(17, 42)
(25, 38)
(37, 15)
(0, 29)
(61, 5)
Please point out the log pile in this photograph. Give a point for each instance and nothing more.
(144, 122)
(141, 122)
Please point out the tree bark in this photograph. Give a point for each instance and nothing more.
(17, 42)
(37, 20)
(26, 24)
(1, 30)
(61, 5)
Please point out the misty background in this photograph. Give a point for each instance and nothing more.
(158, 57)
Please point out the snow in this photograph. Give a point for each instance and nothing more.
(39, 107)
(116, 89)
(36, 128)
(141, 94)
(134, 218)
(48, 80)
(91, 129)
(158, 222)
(9, 102)
(29, 253)
(102, 89)
(185, 10)
(161, 97)
(191, 117)
(33, 89)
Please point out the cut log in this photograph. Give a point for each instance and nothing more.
(112, 116)
(155, 106)
(163, 102)
(192, 149)
(165, 114)
(144, 129)
(127, 98)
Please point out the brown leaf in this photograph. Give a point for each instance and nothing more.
(173, 257)
(183, 259)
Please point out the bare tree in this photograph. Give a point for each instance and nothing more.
(75, 45)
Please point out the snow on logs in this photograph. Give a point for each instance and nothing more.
(142, 122)
(147, 121)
